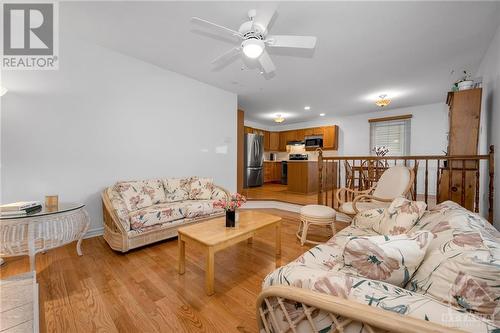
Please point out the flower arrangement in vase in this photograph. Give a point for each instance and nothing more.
(230, 206)
(380, 150)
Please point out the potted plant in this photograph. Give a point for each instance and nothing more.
(230, 207)
(465, 82)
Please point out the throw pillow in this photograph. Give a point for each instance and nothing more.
(400, 217)
(368, 218)
(141, 194)
(391, 259)
(177, 189)
(201, 188)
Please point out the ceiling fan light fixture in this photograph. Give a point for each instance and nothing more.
(382, 101)
(279, 119)
(253, 48)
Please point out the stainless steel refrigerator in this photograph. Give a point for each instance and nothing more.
(254, 160)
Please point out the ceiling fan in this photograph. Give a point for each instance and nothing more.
(253, 39)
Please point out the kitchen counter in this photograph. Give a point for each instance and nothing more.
(303, 177)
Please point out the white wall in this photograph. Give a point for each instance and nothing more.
(489, 70)
(104, 117)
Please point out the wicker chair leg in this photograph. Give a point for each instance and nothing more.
(303, 237)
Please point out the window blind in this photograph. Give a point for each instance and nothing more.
(393, 134)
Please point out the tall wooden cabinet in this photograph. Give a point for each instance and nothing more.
(463, 137)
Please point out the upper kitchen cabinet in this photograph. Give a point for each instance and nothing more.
(330, 137)
(274, 141)
(266, 141)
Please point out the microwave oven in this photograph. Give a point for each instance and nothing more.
(314, 142)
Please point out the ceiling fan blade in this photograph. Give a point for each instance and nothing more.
(226, 57)
(265, 13)
(266, 63)
(220, 28)
(302, 42)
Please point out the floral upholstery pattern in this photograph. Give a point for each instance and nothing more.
(463, 266)
(119, 207)
(201, 188)
(373, 293)
(177, 189)
(196, 208)
(391, 259)
(140, 194)
(450, 230)
(141, 205)
(400, 217)
(157, 214)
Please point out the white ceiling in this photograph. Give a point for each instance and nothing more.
(404, 49)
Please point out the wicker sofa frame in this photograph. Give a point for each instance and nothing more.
(118, 238)
(342, 312)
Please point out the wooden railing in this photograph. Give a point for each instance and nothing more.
(468, 175)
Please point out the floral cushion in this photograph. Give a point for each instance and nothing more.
(368, 218)
(462, 267)
(119, 207)
(370, 292)
(201, 188)
(176, 189)
(156, 214)
(200, 208)
(140, 194)
(392, 259)
(400, 217)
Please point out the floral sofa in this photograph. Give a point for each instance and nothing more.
(341, 287)
(137, 213)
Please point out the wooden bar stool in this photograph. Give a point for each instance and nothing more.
(316, 215)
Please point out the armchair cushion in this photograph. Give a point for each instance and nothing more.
(400, 217)
(391, 259)
(462, 265)
(393, 183)
(140, 194)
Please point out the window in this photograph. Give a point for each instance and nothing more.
(391, 132)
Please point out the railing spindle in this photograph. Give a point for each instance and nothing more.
(426, 182)
(476, 195)
(462, 196)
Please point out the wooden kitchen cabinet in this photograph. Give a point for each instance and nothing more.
(266, 141)
(274, 141)
(272, 171)
(330, 137)
(247, 130)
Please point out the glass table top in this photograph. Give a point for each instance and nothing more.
(61, 208)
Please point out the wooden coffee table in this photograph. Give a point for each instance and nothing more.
(214, 236)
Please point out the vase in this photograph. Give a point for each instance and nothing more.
(230, 219)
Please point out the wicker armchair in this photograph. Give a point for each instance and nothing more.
(274, 316)
(396, 181)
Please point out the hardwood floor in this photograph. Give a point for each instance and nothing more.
(279, 192)
(272, 191)
(141, 291)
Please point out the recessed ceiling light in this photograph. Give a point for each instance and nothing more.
(322, 114)
(307, 108)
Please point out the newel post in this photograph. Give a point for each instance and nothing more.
(320, 176)
(491, 168)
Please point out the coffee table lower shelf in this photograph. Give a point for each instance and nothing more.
(213, 236)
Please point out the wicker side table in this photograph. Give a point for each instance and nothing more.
(42, 231)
